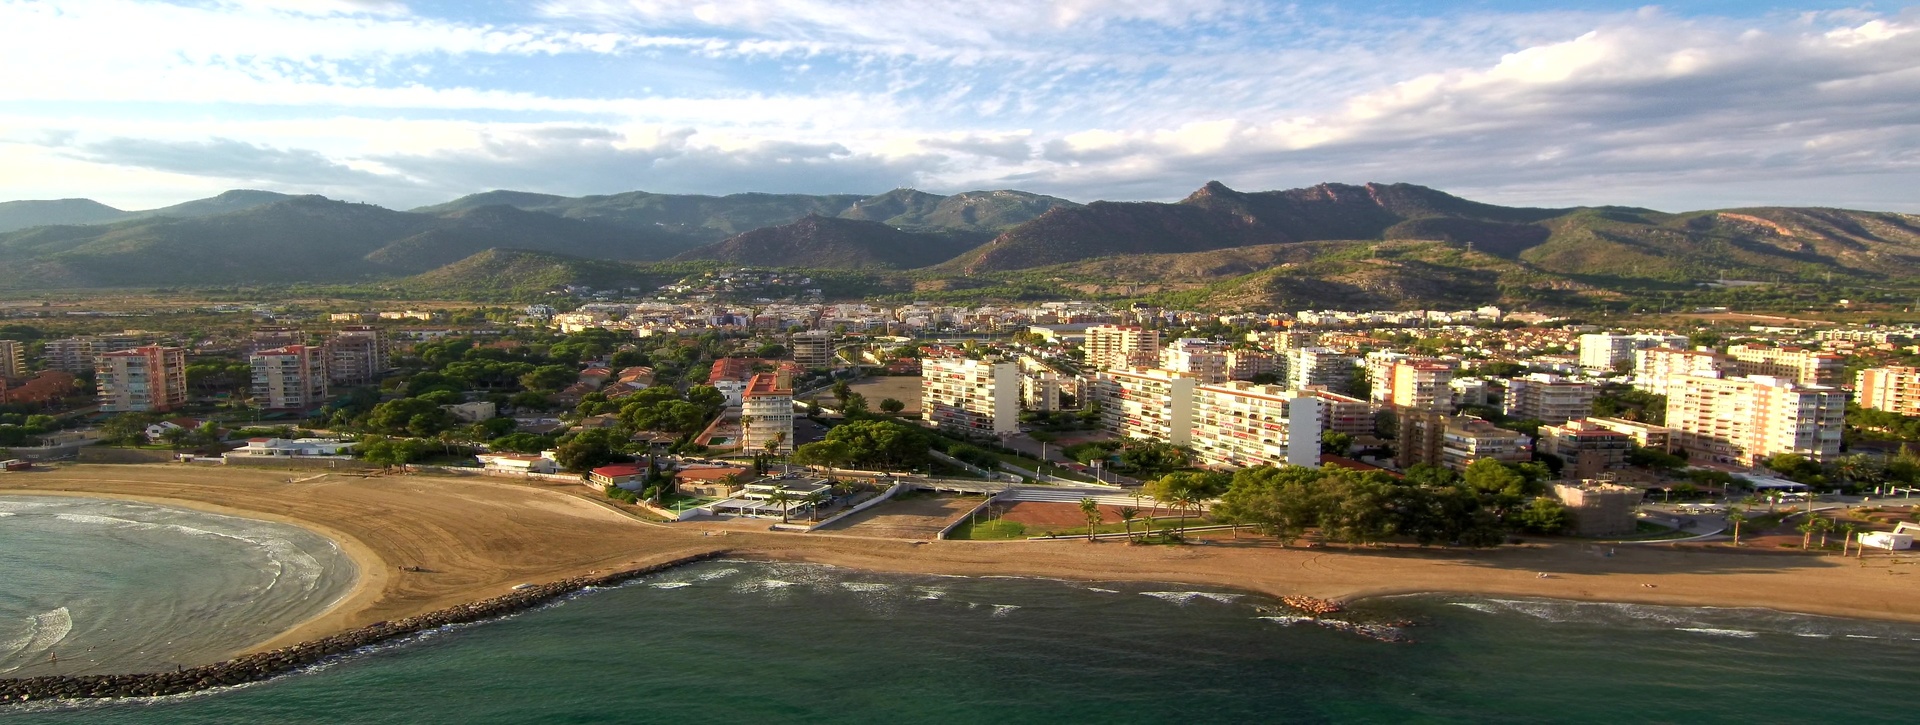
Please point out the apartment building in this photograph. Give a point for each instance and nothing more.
(1656, 369)
(1550, 399)
(1420, 386)
(1205, 361)
(1745, 420)
(1283, 339)
(146, 379)
(271, 338)
(766, 415)
(80, 354)
(1587, 449)
(1644, 435)
(1307, 367)
(1343, 413)
(1456, 441)
(1603, 350)
(1150, 404)
(1892, 389)
(293, 377)
(1040, 390)
(978, 397)
(1808, 367)
(1117, 347)
(1240, 424)
(13, 359)
(358, 355)
(812, 348)
(1244, 364)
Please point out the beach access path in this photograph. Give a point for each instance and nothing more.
(427, 542)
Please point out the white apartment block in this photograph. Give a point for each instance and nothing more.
(293, 377)
(358, 355)
(1605, 349)
(1422, 385)
(142, 380)
(812, 348)
(1040, 390)
(1150, 404)
(1112, 347)
(1808, 367)
(1244, 364)
(1241, 424)
(13, 359)
(980, 397)
(1310, 366)
(1892, 389)
(80, 354)
(766, 415)
(1550, 399)
(1205, 361)
(1743, 421)
(1655, 370)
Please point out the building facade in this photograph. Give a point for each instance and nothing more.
(1307, 367)
(358, 355)
(1656, 369)
(812, 348)
(1586, 449)
(147, 379)
(1892, 389)
(1603, 350)
(1150, 404)
(766, 415)
(1547, 398)
(1807, 367)
(13, 359)
(1743, 421)
(289, 378)
(1205, 361)
(978, 397)
(1241, 424)
(1644, 435)
(1113, 347)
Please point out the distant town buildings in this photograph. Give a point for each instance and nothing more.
(1810, 367)
(147, 379)
(81, 354)
(1606, 349)
(13, 359)
(1114, 347)
(1655, 370)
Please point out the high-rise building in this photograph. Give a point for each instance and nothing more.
(1603, 350)
(293, 377)
(80, 354)
(270, 338)
(1548, 398)
(1656, 369)
(357, 355)
(980, 397)
(1466, 439)
(766, 415)
(1245, 364)
(1150, 404)
(812, 348)
(1240, 424)
(1343, 413)
(1743, 421)
(1644, 435)
(1422, 386)
(13, 359)
(1892, 389)
(1307, 367)
(1587, 449)
(1205, 361)
(1039, 390)
(1117, 347)
(1808, 367)
(144, 379)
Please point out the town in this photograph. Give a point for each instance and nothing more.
(1049, 419)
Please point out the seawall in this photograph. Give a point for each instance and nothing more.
(265, 665)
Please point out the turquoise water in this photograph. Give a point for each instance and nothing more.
(728, 642)
(94, 586)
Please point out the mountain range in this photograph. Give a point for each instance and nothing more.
(1343, 245)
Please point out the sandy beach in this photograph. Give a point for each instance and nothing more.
(429, 542)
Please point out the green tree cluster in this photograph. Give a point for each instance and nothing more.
(1430, 505)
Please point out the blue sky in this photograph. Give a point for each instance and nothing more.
(141, 103)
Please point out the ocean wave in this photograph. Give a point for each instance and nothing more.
(1285, 620)
(1002, 610)
(669, 585)
(1476, 606)
(865, 586)
(930, 593)
(1103, 591)
(1748, 634)
(1185, 597)
(44, 630)
(717, 574)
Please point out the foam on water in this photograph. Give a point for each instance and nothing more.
(1719, 632)
(669, 585)
(1185, 597)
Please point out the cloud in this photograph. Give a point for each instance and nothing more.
(226, 159)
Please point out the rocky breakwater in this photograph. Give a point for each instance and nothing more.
(1321, 611)
(263, 665)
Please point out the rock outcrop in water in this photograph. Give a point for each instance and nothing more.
(263, 665)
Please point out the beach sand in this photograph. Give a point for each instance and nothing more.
(468, 538)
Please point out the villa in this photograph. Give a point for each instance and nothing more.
(756, 498)
(522, 463)
(297, 448)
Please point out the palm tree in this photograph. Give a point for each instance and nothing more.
(1823, 525)
(1090, 509)
(1127, 515)
(1806, 531)
(1851, 529)
(1736, 519)
(1183, 501)
(845, 488)
(781, 498)
(746, 429)
(813, 501)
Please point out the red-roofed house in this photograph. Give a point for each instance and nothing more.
(618, 474)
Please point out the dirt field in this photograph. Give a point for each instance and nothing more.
(905, 388)
(471, 538)
(918, 518)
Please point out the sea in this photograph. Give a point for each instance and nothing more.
(745, 641)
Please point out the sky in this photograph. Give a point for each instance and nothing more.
(143, 103)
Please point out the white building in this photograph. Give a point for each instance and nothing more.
(766, 415)
(812, 348)
(979, 397)
(1744, 421)
(1149, 404)
(293, 377)
(1604, 350)
(1122, 346)
(1310, 366)
(1241, 424)
(1205, 361)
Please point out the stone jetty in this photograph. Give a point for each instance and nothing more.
(1311, 606)
(264, 665)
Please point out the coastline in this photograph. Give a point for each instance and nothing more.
(468, 541)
